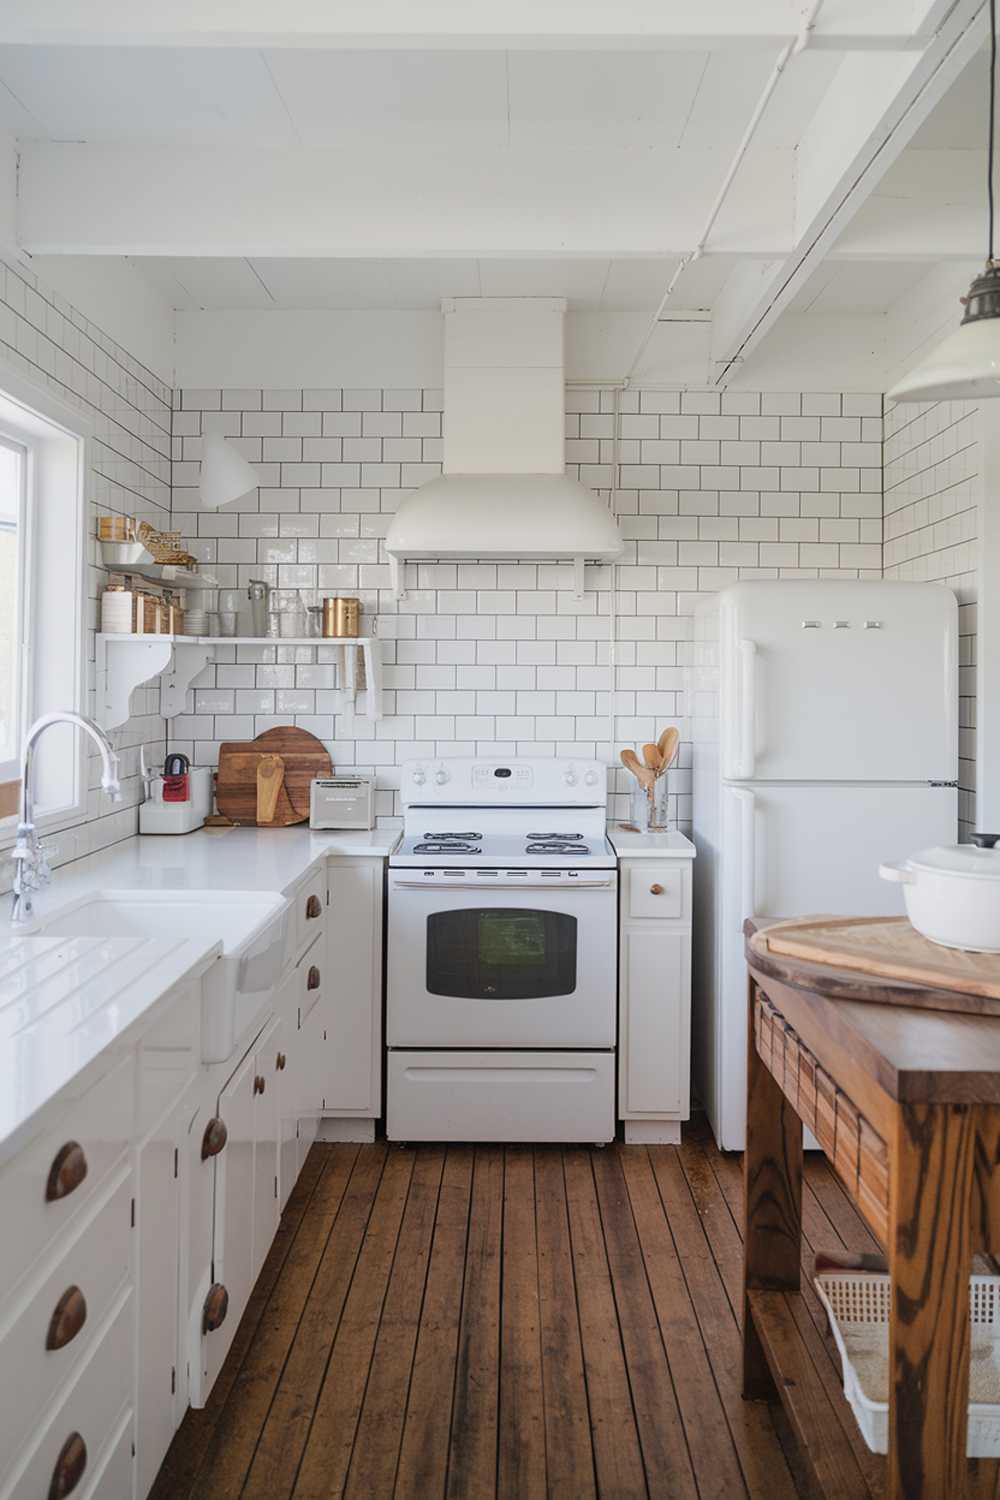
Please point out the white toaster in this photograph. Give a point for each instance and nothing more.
(342, 802)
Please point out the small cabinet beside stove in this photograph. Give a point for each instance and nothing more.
(654, 1004)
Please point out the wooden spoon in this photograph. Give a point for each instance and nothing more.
(651, 755)
(668, 745)
(642, 774)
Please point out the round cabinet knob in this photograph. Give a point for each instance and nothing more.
(68, 1317)
(656, 890)
(69, 1467)
(215, 1137)
(419, 777)
(314, 907)
(440, 777)
(280, 1061)
(68, 1169)
(259, 1084)
(216, 1306)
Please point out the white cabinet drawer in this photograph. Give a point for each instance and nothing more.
(46, 1185)
(87, 1421)
(310, 980)
(66, 1312)
(310, 910)
(112, 1478)
(656, 890)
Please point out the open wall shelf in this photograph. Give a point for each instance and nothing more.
(125, 662)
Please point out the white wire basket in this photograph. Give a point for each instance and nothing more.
(858, 1303)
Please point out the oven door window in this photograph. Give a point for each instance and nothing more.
(501, 953)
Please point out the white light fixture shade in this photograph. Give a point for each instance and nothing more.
(963, 367)
(225, 473)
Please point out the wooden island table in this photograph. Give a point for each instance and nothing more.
(905, 1103)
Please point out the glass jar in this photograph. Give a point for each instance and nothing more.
(649, 806)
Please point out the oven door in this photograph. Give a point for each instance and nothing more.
(520, 964)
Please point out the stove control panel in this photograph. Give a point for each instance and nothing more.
(463, 781)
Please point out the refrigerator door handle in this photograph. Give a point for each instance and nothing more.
(748, 850)
(746, 759)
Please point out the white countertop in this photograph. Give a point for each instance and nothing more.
(669, 845)
(70, 1005)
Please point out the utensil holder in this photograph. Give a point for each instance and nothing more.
(649, 806)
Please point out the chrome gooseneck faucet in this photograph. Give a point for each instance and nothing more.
(31, 868)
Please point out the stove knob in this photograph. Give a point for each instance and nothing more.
(591, 778)
(569, 776)
(419, 777)
(441, 776)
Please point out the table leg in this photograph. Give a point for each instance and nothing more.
(930, 1258)
(772, 1180)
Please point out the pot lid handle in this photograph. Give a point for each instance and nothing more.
(985, 840)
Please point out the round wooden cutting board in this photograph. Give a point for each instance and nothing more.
(302, 757)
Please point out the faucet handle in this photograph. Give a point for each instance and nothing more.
(42, 870)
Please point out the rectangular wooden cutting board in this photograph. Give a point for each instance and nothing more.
(888, 947)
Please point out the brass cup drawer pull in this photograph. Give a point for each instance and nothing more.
(216, 1307)
(70, 1464)
(68, 1169)
(314, 979)
(280, 1062)
(314, 907)
(259, 1084)
(67, 1319)
(656, 890)
(215, 1137)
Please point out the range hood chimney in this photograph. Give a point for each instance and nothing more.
(504, 492)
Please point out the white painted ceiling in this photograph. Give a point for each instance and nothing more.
(692, 102)
(221, 96)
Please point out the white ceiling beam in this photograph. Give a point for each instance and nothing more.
(396, 202)
(871, 111)
(843, 25)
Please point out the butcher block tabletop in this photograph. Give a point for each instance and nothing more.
(915, 1052)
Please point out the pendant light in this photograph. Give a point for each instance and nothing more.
(966, 366)
(225, 473)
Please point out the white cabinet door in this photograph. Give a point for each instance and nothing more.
(267, 1136)
(656, 1004)
(352, 992)
(232, 1244)
(161, 1162)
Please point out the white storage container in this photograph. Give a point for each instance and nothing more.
(858, 1305)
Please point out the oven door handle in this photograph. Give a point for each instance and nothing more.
(400, 883)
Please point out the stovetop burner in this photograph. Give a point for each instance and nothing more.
(557, 846)
(554, 838)
(447, 845)
(462, 838)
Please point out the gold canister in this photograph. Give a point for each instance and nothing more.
(341, 617)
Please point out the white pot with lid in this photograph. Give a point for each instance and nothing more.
(952, 893)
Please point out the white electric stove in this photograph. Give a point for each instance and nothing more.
(502, 954)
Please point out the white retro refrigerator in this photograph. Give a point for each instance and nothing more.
(825, 727)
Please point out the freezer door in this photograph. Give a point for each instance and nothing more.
(830, 681)
(795, 851)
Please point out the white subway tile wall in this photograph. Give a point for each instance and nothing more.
(932, 486)
(45, 340)
(499, 658)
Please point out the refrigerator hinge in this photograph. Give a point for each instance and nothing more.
(942, 783)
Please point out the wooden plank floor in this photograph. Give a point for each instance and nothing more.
(513, 1322)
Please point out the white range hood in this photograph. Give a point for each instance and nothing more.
(503, 492)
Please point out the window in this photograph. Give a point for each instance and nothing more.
(43, 596)
(13, 537)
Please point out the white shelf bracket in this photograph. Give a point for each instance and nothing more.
(397, 585)
(578, 589)
(187, 662)
(121, 665)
